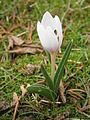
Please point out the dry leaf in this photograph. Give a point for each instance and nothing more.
(84, 109)
(13, 40)
(15, 99)
(61, 91)
(77, 94)
(31, 28)
(10, 46)
(24, 89)
(24, 50)
(32, 45)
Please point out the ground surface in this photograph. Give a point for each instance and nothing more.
(15, 17)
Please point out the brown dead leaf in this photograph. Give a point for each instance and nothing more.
(15, 26)
(13, 40)
(30, 29)
(32, 45)
(24, 50)
(77, 94)
(10, 46)
(61, 91)
(24, 89)
(84, 109)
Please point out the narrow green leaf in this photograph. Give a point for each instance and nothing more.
(59, 72)
(47, 77)
(43, 91)
(48, 55)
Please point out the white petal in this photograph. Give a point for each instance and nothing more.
(48, 20)
(51, 40)
(41, 33)
(58, 25)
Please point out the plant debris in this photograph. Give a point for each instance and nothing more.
(63, 116)
(31, 68)
(16, 98)
(3, 105)
(13, 40)
(61, 91)
(27, 49)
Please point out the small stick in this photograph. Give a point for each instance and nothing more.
(48, 102)
(16, 108)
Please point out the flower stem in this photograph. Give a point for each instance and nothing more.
(53, 58)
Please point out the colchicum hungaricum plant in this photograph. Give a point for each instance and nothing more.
(50, 34)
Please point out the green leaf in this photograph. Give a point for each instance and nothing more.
(59, 72)
(48, 55)
(43, 91)
(47, 77)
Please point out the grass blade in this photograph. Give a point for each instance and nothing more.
(47, 77)
(43, 91)
(48, 55)
(59, 72)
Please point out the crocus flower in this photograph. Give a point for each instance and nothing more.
(50, 32)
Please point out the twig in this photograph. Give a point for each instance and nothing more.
(16, 99)
(78, 95)
(85, 108)
(83, 113)
(48, 102)
(21, 33)
(79, 90)
(16, 107)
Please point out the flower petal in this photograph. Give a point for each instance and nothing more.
(41, 33)
(58, 26)
(48, 20)
(51, 40)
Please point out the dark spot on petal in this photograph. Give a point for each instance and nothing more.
(55, 31)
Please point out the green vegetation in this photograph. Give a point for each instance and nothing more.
(15, 16)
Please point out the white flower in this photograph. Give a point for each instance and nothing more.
(50, 32)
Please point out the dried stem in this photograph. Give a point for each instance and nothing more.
(61, 91)
(16, 108)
